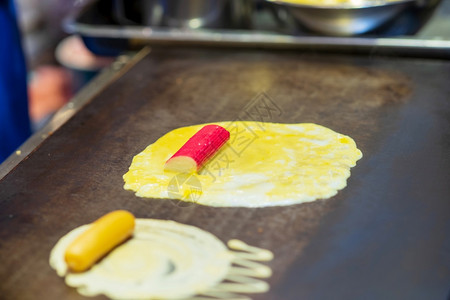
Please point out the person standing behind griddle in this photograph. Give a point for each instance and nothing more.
(14, 118)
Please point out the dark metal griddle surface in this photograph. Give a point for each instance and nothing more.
(385, 236)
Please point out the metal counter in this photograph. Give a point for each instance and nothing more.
(419, 31)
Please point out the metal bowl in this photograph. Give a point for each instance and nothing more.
(207, 13)
(193, 13)
(187, 14)
(345, 19)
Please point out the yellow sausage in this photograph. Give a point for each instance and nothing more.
(100, 238)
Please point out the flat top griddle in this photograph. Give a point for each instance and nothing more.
(385, 236)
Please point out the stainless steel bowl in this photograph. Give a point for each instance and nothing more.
(345, 19)
(205, 13)
(192, 14)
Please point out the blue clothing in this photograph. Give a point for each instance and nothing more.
(14, 119)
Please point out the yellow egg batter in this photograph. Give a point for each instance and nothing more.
(263, 164)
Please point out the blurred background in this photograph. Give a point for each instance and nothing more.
(42, 66)
(58, 64)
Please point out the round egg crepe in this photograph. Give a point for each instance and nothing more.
(169, 260)
(262, 164)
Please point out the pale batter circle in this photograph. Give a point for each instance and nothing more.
(163, 259)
